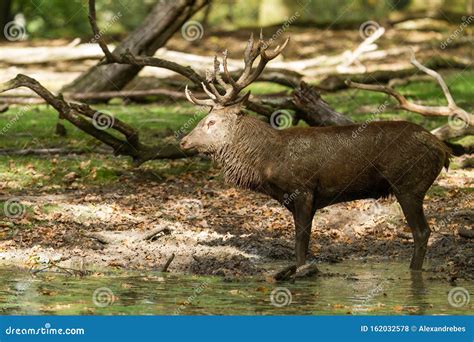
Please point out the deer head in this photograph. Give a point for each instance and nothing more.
(217, 128)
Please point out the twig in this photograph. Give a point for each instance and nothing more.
(151, 236)
(97, 237)
(168, 262)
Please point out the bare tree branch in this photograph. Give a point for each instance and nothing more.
(83, 117)
(450, 110)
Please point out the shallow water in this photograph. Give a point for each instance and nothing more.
(346, 288)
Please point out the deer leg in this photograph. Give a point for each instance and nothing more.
(303, 213)
(303, 216)
(413, 211)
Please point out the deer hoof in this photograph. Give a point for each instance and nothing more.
(306, 271)
(285, 273)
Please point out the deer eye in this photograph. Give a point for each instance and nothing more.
(210, 123)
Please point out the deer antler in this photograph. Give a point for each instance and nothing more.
(230, 87)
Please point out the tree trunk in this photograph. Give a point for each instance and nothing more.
(5, 15)
(164, 20)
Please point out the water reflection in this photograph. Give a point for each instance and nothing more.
(347, 288)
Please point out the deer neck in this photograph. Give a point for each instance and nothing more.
(245, 156)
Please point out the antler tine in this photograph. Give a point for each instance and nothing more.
(276, 51)
(248, 49)
(226, 70)
(192, 99)
(248, 76)
(208, 92)
(231, 86)
(217, 73)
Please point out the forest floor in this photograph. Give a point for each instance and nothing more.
(212, 228)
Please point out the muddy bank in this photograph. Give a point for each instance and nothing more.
(213, 229)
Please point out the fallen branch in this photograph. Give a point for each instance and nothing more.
(151, 236)
(102, 239)
(43, 151)
(96, 124)
(107, 95)
(452, 110)
(335, 82)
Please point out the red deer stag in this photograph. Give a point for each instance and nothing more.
(308, 168)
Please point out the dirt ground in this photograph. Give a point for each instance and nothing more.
(214, 229)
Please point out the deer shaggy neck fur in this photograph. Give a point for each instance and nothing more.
(244, 156)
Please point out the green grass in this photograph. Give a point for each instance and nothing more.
(34, 126)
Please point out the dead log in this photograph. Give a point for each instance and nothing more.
(314, 110)
(338, 82)
(40, 151)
